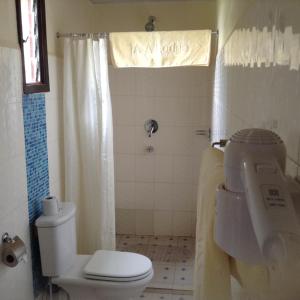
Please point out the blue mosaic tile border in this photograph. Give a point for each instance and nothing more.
(35, 130)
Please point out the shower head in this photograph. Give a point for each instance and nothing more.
(150, 24)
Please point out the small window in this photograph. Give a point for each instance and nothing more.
(31, 21)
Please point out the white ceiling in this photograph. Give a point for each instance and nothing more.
(120, 1)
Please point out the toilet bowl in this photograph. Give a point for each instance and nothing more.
(109, 275)
(80, 285)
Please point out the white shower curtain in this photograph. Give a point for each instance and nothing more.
(88, 142)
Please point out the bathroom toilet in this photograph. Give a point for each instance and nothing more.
(109, 275)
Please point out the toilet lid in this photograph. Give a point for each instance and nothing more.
(117, 266)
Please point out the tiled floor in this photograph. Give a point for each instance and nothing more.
(155, 296)
(173, 262)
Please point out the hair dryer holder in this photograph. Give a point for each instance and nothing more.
(234, 232)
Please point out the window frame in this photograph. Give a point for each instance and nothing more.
(43, 85)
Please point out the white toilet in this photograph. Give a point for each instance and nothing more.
(109, 275)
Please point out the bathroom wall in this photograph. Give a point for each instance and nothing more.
(15, 283)
(176, 15)
(229, 13)
(67, 16)
(264, 96)
(156, 192)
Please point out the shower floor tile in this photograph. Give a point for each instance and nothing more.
(173, 261)
(154, 296)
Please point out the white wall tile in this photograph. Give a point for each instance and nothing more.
(144, 109)
(10, 75)
(12, 185)
(15, 129)
(125, 221)
(125, 195)
(4, 150)
(124, 137)
(146, 80)
(125, 166)
(165, 140)
(182, 223)
(179, 99)
(123, 110)
(121, 83)
(183, 140)
(54, 117)
(144, 168)
(163, 223)
(165, 110)
(144, 222)
(182, 111)
(183, 169)
(164, 168)
(163, 197)
(200, 110)
(183, 195)
(144, 195)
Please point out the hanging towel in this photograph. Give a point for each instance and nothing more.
(160, 49)
(213, 267)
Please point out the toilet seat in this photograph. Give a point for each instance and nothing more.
(117, 266)
(118, 279)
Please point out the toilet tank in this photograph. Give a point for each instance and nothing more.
(57, 240)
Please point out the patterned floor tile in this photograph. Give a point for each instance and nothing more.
(154, 296)
(183, 278)
(163, 240)
(172, 257)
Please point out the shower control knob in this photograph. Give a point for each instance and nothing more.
(151, 126)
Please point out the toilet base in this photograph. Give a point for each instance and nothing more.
(80, 288)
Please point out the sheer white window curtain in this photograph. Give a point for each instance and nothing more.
(88, 142)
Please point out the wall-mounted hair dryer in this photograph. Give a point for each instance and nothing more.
(256, 218)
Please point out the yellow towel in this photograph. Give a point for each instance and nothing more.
(160, 48)
(254, 279)
(213, 267)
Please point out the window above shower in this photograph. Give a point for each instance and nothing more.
(31, 21)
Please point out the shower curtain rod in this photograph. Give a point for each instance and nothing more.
(82, 35)
(98, 35)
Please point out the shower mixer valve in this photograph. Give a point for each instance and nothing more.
(151, 126)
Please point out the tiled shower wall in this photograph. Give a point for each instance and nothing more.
(156, 192)
(266, 97)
